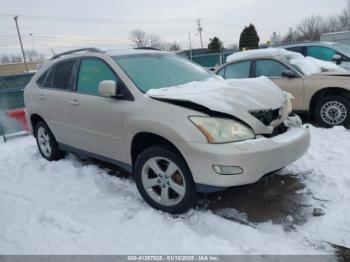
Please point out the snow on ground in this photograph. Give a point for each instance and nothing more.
(68, 207)
(308, 65)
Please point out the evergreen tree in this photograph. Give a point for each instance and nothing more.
(215, 45)
(249, 38)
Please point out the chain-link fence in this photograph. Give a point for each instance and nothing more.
(209, 60)
(12, 122)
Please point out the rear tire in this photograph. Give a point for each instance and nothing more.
(164, 180)
(332, 111)
(47, 144)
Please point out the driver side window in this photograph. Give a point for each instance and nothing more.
(269, 68)
(321, 52)
(92, 72)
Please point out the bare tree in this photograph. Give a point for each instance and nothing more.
(5, 59)
(34, 56)
(16, 58)
(154, 41)
(139, 38)
(344, 19)
(174, 46)
(310, 28)
(142, 39)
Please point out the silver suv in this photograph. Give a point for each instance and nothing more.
(99, 104)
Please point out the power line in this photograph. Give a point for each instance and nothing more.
(99, 20)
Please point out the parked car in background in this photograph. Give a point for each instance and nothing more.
(327, 51)
(175, 126)
(320, 89)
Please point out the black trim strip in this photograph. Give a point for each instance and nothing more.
(125, 166)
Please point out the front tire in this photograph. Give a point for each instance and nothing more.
(332, 111)
(47, 144)
(164, 180)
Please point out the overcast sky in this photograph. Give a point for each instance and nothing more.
(108, 23)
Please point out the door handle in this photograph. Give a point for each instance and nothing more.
(74, 102)
(41, 96)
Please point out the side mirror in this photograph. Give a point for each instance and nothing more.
(107, 88)
(337, 59)
(289, 74)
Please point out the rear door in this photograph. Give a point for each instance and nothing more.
(273, 70)
(97, 121)
(53, 99)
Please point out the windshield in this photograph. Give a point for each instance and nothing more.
(344, 49)
(158, 70)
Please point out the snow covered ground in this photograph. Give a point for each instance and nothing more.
(70, 207)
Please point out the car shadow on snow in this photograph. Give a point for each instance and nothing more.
(276, 198)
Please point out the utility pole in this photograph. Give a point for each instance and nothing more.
(20, 41)
(189, 38)
(31, 35)
(200, 29)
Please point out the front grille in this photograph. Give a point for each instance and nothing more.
(268, 116)
(278, 130)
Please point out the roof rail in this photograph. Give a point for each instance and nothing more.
(95, 50)
(147, 48)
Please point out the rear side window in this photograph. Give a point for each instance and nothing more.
(41, 79)
(61, 76)
(269, 68)
(321, 52)
(238, 70)
(92, 72)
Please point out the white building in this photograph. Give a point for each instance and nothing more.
(339, 37)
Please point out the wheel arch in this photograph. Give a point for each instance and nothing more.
(143, 140)
(324, 93)
(34, 119)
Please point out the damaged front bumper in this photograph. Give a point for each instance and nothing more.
(255, 157)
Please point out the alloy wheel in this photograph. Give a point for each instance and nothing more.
(44, 141)
(333, 113)
(163, 181)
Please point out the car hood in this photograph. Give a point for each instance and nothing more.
(226, 96)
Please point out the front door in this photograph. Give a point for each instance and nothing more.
(97, 121)
(273, 70)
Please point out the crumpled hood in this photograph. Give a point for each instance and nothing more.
(226, 96)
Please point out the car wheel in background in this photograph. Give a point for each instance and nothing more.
(164, 180)
(333, 111)
(46, 142)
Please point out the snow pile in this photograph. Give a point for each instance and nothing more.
(219, 94)
(308, 65)
(67, 207)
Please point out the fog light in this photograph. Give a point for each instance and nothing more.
(228, 170)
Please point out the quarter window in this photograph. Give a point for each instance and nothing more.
(92, 72)
(238, 70)
(321, 52)
(63, 77)
(269, 68)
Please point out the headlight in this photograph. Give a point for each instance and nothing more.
(288, 107)
(222, 130)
